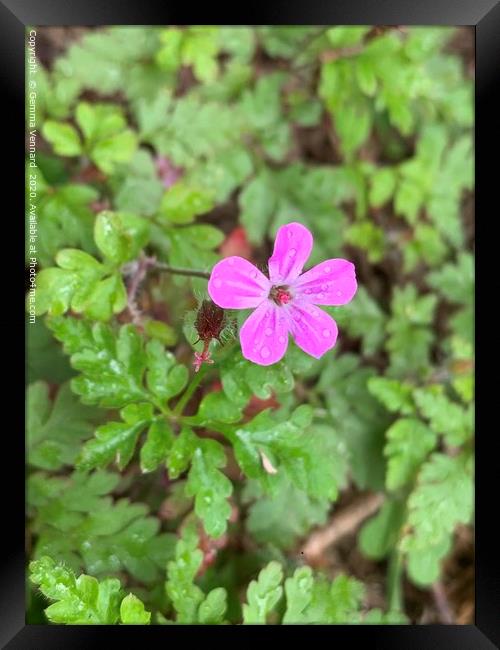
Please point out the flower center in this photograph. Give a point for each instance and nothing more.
(280, 295)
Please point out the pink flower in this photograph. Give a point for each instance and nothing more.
(285, 303)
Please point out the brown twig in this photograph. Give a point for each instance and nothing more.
(343, 523)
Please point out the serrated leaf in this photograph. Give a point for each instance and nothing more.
(408, 443)
(209, 486)
(395, 395)
(120, 236)
(55, 429)
(63, 137)
(263, 594)
(182, 202)
(216, 407)
(158, 443)
(213, 608)
(133, 612)
(80, 600)
(299, 594)
(442, 499)
(445, 416)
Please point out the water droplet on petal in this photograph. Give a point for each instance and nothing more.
(268, 331)
(292, 252)
(231, 261)
(307, 291)
(218, 283)
(324, 287)
(339, 293)
(321, 296)
(327, 269)
(281, 339)
(265, 352)
(326, 333)
(253, 274)
(290, 234)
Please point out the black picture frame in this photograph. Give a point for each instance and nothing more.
(484, 15)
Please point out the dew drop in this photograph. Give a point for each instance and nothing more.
(324, 287)
(326, 333)
(268, 331)
(218, 283)
(307, 291)
(290, 234)
(339, 293)
(327, 269)
(292, 252)
(281, 339)
(231, 261)
(253, 274)
(321, 296)
(265, 352)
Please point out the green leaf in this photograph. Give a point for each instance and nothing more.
(265, 521)
(164, 377)
(369, 238)
(138, 189)
(120, 236)
(446, 417)
(181, 452)
(186, 597)
(216, 407)
(55, 430)
(158, 443)
(364, 319)
(263, 594)
(113, 441)
(79, 283)
(408, 443)
(410, 337)
(241, 379)
(291, 447)
(443, 498)
(114, 365)
(299, 594)
(213, 608)
(209, 486)
(63, 138)
(79, 600)
(133, 612)
(395, 395)
(257, 202)
(357, 417)
(65, 220)
(382, 186)
(77, 523)
(182, 202)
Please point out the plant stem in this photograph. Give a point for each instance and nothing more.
(188, 393)
(162, 266)
(394, 574)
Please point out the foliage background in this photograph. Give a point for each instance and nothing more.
(189, 144)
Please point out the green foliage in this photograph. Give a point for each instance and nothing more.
(164, 149)
(84, 600)
(77, 522)
(263, 594)
(54, 431)
(265, 520)
(442, 499)
(189, 602)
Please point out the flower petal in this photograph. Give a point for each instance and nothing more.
(235, 283)
(314, 330)
(332, 282)
(264, 334)
(292, 248)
